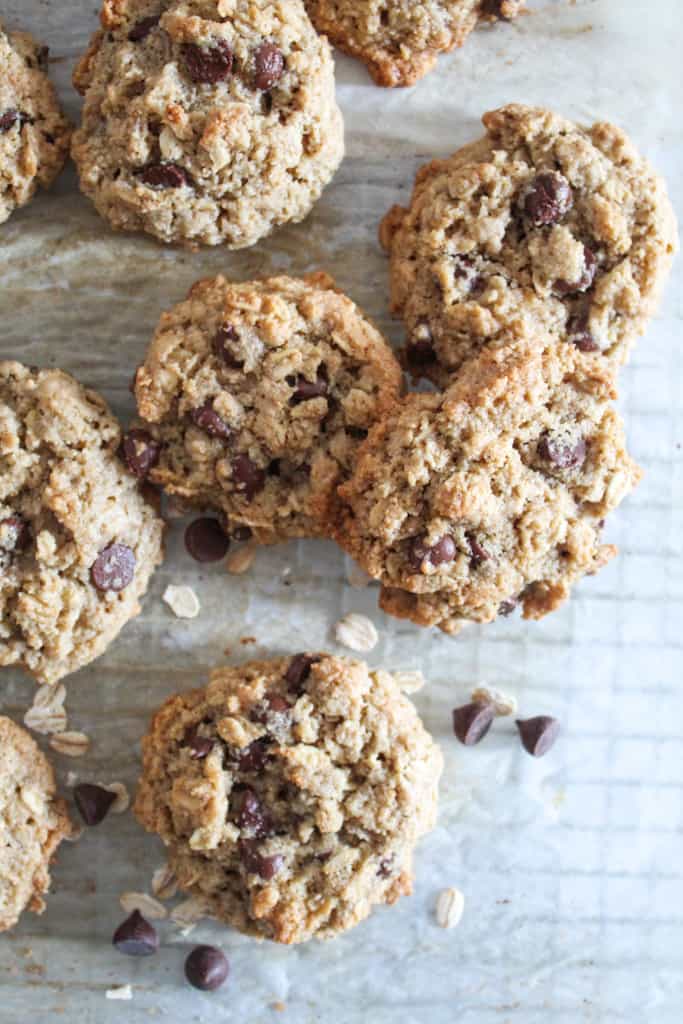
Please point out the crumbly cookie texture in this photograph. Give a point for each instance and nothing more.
(33, 822)
(541, 226)
(466, 502)
(257, 397)
(291, 793)
(78, 542)
(34, 134)
(400, 40)
(206, 121)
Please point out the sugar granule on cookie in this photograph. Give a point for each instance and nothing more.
(290, 793)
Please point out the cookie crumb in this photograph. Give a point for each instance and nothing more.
(182, 601)
(356, 632)
(241, 561)
(119, 992)
(450, 905)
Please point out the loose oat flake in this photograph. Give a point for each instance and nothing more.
(409, 681)
(122, 801)
(182, 601)
(356, 632)
(71, 744)
(450, 905)
(147, 905)
(119, 992)
(503, 703)
(47, 714)
(164, 883)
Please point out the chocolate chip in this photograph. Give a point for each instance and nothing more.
(141, 29)
(269, 64)
(93, 802)
(420, 348)
(242, 533)
(140, 452)
(9, 119)
(164, 175)
(253, 818)
(258, 864)
(208, 65)
(15, 534)
(564, 456)
(272, 704)
(222, 348)
(493, 9)
(442, 551)
(479, 553)
(472, 721)
(207, 419)
(200, 746)
(253, 758)
(507, 607)
(549, 198)
(247, 476)
(206, 540)
(307, 389)
(206, 968)
(579, 334)
(114, 568)
(299, 670)
(386, 866)
(590, 265)
(136, 936)
(538, 734)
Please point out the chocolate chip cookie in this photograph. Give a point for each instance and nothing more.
(290, 793)
(400, 40)
(34, 134)
(256, 397)
(33, 822)
(78, 542)
(466, 502)
(206, 121)
(542, 223)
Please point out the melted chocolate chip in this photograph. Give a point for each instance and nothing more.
(141, 29)
(164, 175)
(208, 65)
(136, 936)
(93, 802)
(579, 334)
(9, 119)
(206, 541)
(564, 456)
(206, 968)
(538, 734)
(253, 818)
(114, 568)
(269, 65)
(272, 704)
(222, 348)
(247, 476)
(507, 607)
(472, 721)
(548, 199)
(442, 551)
(258, 864)
(590, 266)
(140, 452)
(207, 419)
(478, 552)
(200, 746)
(253, 758)
(307, 389)
(299, 670)
(386, 866)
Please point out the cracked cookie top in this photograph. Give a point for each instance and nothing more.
(493, 492)
(34, 134)
(206, 121)
(540, 227)
(78, 542)
(256, 397)
(290, 793)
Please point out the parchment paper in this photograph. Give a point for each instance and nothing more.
(571, 866)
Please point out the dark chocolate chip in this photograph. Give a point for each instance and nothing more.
(206, 540)
(479, 553)
(472, 721)
(242, 533)
(223, 349)
(114, 568)
(136, 936)
(578, 333)
(257, 863)
(307, 389)
(93, 802)
(269, 65)
(208, 65)
(140, 452)
(299, 670)
(386, 866)
(200, 746)
(420, 348)
(538, 734)
(164, 175)
(247, 476)
(207, 419)
(206, 968)
(564, 456)
(507, 607)
(16, 534)
(548, 199)
(590, 265)
(253, 758)
(141, 29)
(253, 817)
(272, 704)
(9, 119)
(442, 551)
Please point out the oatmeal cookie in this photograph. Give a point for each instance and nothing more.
(290, 793)
(256, 397)
(33, 822)
(207, 121)
(78, 542)
(34, 134)
(400, 40)
(493, 492)
(540, 227)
